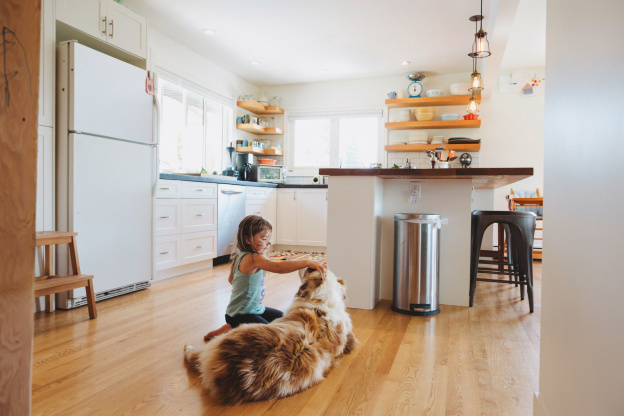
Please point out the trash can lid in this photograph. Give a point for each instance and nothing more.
(417, 216)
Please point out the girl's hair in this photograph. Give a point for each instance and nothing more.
(248, 227)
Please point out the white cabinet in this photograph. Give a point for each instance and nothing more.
(185, 223)
(46, 65)
(263, 202)
(44, 218)
(107, 21)
(302, 217)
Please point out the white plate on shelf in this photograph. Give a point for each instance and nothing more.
(393, 143)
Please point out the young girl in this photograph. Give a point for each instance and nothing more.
(248, 273)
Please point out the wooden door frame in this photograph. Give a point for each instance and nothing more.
(20, 23)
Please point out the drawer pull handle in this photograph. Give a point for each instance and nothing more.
(200, 215)
(164, 252)
(200, 190)
(257, 212)
(165, 217)
(201, 246)
(165, 189)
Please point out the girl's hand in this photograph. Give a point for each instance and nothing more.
(316, 265)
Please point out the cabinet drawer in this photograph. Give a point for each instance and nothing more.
(256, 193)
(198, 215)
(256, 208)
(167, 217)
(199, 190)
(198, 246)
(168, 189)
(166, 252)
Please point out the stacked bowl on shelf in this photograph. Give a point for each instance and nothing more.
(424, 113)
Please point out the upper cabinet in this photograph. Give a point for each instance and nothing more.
(106, 21)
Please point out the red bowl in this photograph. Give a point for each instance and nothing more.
(266, 161)
(471, 116)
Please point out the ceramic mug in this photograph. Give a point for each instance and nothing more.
(239, 120)
(401, 94)
(392, 95)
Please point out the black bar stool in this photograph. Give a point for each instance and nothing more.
(520, 230)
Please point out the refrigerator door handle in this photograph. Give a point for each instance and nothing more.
(231, 192)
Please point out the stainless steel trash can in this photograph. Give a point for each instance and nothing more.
(416, 264)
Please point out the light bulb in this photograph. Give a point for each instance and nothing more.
(472, 105)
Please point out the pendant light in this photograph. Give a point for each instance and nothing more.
(476, 82)
(473, 106)
(481, 45)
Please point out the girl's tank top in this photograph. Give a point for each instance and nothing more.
(247, 291)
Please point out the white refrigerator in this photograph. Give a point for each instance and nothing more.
(106, 171)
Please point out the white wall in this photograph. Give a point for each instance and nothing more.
(582, 331)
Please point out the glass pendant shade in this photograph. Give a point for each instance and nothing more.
(472, 105)
(481, 45)
(476, 82)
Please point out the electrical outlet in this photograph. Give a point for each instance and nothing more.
(415, 189)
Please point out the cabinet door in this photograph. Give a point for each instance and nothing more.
(166, 252)
(126, 29)
(287, 216)
(271, 212)
(255, 207)
(44, 217)
(312, 217)
(198, 215)
(167, 217)
(87, 16)
(198, 246)
(46, 64)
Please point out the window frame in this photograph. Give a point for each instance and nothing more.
(334, 139)
(207, 96)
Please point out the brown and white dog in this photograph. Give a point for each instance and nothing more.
(265, 362)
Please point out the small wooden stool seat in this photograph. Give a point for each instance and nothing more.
(49, 284)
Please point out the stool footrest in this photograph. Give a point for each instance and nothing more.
(496, 271)
(55, 284)
(512, 282)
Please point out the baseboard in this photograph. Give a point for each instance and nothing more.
(539, 408)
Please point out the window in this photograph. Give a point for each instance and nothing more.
(338, 140)
(193, 129)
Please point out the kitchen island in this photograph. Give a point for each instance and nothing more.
(360, 224)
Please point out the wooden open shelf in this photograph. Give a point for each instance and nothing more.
(431, 101)
(260, 152)
(257, 108)
(437, 124)
(422, 147)
(256, 129)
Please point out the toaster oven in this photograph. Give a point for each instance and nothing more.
(271, 173)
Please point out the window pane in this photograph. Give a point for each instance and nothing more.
(358, 141)
(172, 127)
(192, 148)
(214, 132)
(312, 142)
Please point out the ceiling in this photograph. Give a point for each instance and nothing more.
(321, 40)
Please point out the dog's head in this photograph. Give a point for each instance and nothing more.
(321, 287)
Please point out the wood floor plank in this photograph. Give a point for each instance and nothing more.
(465, 361)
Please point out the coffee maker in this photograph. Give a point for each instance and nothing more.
(231, 170)
(247, 167)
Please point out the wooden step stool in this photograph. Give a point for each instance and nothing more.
(49, 284)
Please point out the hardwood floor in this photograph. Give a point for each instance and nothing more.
(464, 361)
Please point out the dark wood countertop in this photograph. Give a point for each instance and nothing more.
(482, 178)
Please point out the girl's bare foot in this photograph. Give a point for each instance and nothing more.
(210, 335)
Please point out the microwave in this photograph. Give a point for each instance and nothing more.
(271, 173)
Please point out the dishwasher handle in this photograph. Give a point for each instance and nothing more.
(231, 192)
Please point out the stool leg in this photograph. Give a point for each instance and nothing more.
(477, 238)
(91, 300)
(48, 266)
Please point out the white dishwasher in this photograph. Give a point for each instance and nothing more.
(231, 211)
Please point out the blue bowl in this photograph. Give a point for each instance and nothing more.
(447, 117)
